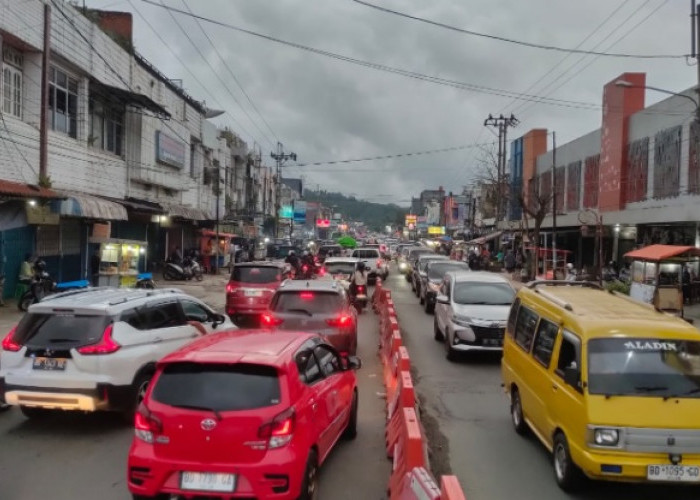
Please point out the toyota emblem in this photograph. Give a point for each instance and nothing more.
(208, 424)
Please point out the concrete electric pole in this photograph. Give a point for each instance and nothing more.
(501, 123)
(280, 158)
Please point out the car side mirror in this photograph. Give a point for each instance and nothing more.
(219, 319)
(352, 363)
(442, 299)
(571, 377)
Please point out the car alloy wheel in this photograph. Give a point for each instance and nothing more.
(309, 486)
(567, 474)
(516, 412)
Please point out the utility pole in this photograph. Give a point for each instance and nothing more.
(280, 158)
(501, 123)
(43, 126)
(695, 43)
(554, 204)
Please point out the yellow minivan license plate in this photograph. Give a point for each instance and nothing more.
(680, 473)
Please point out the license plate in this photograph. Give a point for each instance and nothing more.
(207, 481)
(341, 276)
(253, 293)
(679, 473)
(49, 364)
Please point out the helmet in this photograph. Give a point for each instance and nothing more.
(361, 266)
(569, 266)
(305, 253)
(291, 252)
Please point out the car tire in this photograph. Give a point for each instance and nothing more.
(437, 334)
(516, 412)
(450, 353)
(350, 432)
(309, 484)
(35, 413)
(139, 387)
(4, 407)
(421, 300)
(566, 473)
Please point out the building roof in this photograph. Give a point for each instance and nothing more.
(19, 190)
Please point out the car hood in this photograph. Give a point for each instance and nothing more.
(483, 313)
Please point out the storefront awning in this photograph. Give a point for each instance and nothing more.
(108, 92)
(19, 190)
(143, 206)
(657, 253)
(90, 207)
(183, 212)
(485, 239)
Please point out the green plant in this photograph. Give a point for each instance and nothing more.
(618, 286)
(45, 181)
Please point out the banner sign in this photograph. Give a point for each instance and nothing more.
(286, 212)
(300, 212)
(411, 220)
(436, 229)
(170, 151)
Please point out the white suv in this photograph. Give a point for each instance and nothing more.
(97, 349)
(377, 268)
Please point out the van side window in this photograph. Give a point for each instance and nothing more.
(525, 327)
(513, 316)
(544, 342)
(569, 356)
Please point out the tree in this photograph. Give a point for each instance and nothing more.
(536, 206)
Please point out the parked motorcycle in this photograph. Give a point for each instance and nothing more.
(43, 285)
(186, 270)
(145, 280)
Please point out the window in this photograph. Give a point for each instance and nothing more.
(64, 331)
(309, 371)
(194, 311)
(63, 102)
(544, 342)
(513, 316)
(106, 126)
(12, 81)
(256, 274)
(568, 354)
(328, 360)
(525, 327)
(219, 387)
(162, 316)
(312, 302)
(488, 294)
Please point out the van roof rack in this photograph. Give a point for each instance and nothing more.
(586, 284)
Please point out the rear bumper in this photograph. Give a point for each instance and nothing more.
(278, 477)
(102, 397)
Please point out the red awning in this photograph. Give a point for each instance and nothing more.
(212, 234)
(18, 190)
(662, 252)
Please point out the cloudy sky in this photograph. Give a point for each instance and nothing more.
(325, 109)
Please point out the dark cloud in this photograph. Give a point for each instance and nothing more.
(325, 109)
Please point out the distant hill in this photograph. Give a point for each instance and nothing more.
(375, 215)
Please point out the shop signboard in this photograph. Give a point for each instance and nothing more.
(411, 220)
(436, 230)
(170, 151)
(299, 212)
(286, 212)
(41, 215)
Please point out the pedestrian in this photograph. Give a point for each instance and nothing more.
(95, 261)
(26, 270)
(176, 256)
(509, 261)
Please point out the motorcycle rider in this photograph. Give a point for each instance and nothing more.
(293, 261)
(570, 272)
(26, 270)
(359, 278)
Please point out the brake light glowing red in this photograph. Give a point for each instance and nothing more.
(360, 289)
(306, 295)
(106, 345)
(146, 426)
(341, 321)
(279, 431)
(269, 320)
(9, 343)
(230, 288)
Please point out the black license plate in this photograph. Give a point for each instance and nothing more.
(49, 364)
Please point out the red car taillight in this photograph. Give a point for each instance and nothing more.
(341, 321)
(380, 262)
(269, 320)
(230, 288)
(106, 345)
(360, 289)
(146, 426)
(279, 431)
(9, 343)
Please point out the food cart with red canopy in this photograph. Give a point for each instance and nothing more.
(209, 248)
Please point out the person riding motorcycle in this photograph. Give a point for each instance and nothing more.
(359, 278)
(570, 272)
(293, 261)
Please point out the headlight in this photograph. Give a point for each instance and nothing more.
(606, 437)
(402, 265)
(462, 320)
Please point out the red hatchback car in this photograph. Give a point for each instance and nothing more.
(242, 414)
(250, 289)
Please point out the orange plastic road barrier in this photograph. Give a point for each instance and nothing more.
(450, 489)
(419, 485)
(408, 452)
(403, 397)
(399, 362)
(376, 294)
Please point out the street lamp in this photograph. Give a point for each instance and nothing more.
(630, 85)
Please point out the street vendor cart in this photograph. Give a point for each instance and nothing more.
(657, 276)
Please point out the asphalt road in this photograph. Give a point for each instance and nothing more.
(84, 455)
(466, 415)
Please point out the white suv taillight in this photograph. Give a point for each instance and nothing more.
(280, 430)
(9, 343)
(106, 345)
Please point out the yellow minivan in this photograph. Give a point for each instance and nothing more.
(609, 385)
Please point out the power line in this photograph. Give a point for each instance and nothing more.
(519, 42)
(390, 69)
(235, 79)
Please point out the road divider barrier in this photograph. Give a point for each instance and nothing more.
(406, 444)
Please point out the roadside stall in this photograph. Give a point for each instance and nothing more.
(209, 249)
(657, 273)
(121, 261)
(549, 267)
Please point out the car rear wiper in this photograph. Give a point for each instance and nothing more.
(650, 388)
(205, 408)
(57, 341)
(686, 393)
(303, 311)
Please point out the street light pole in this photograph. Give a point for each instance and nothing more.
(280, 157)
(554, 204)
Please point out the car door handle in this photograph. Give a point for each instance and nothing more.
(157, 339)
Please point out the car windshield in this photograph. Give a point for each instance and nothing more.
(219, 387)
(366, 254)
(482, 293)
(437, 270)
(414, 254)
(250, 274)
(307, 302)
(642, 366)
(60, 330)
(340, 267)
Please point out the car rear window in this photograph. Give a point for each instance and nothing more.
(328, 249)
(340, 267)
(437, 270)
(304, 301)
(251, 274)
(220, 387)
(366, 254)
(60, 330)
